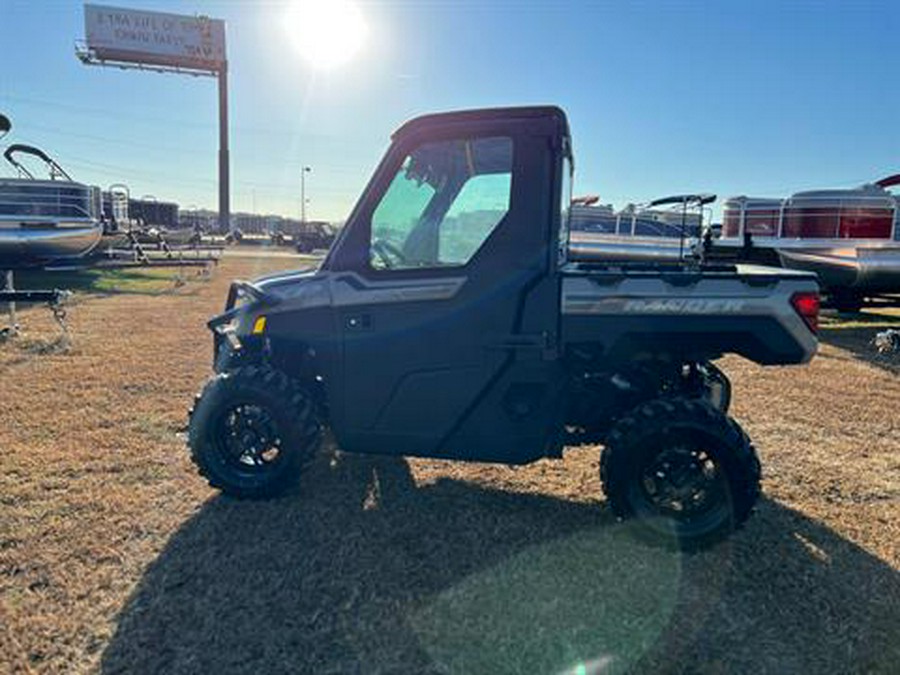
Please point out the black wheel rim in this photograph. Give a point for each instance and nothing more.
(248, 439)
(684, 482)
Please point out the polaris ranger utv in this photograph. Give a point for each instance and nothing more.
(449, 321)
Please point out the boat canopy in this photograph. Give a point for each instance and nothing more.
(53, 169)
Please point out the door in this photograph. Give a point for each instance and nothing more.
(449, 321)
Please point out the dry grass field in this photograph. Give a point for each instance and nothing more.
(115, 556)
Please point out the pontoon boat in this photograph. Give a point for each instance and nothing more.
(665, 229)
(850, 237)
(44, 221)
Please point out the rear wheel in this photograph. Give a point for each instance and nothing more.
(686, 472)
(251, 431)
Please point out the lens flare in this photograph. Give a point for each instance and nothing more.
(326, 33)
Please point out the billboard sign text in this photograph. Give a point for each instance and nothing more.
(154, 38)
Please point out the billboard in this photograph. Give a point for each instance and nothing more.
(154, 38)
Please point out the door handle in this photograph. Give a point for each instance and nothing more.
(518, 342)
(542, 343)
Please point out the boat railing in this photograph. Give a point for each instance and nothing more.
(667, 223)
(635, 221)
(814, 217)
(43, 201)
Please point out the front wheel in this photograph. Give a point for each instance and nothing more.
(685, 471)
(251, 431)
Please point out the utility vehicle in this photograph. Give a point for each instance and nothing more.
(448, 320)
(312, 236)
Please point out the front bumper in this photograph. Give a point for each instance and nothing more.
(231, 329)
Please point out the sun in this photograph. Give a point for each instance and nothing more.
(327, 33)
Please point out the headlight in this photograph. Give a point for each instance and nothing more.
(228, 330)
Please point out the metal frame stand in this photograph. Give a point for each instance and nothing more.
(10, 288)
(54, 299)
(165, 255)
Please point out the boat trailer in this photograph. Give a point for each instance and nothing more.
(55, 300)
(136, 254)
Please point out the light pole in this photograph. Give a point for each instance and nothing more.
(303, 173)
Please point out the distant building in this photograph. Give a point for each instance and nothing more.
(250, 223)
(151, 212)
(202, 219)
(294, 227)
(148, 211)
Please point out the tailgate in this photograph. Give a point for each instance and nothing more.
(747, 310)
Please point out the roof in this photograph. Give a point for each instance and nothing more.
(485, 114)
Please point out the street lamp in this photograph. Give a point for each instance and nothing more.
(303, 173)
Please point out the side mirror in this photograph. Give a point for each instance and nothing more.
(5, 125)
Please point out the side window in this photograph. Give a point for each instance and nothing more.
(477, 210)
(442, 205)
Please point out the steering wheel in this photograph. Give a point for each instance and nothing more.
(388, 253)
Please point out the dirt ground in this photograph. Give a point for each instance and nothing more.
(115, 556)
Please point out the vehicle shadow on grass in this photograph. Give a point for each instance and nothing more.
(360, 571)
(855, 333)
(859, 343)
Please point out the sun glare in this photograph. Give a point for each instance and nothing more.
(327, 33)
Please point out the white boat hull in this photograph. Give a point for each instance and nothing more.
(49, 241)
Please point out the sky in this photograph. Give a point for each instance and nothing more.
(759, 98)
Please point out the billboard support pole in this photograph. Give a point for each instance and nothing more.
(224, 186)
(165, 43)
